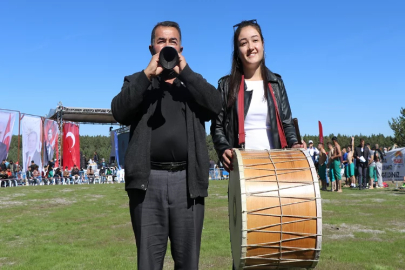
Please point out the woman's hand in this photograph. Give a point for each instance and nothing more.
(297, 145)
(227, 160)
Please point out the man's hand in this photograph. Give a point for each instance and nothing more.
(181, 65)
(154, 68)
(227, 160)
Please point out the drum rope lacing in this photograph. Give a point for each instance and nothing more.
(278, 244)
(281, 209)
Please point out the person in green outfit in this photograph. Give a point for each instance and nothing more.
(336, 159)
(322, 165)
(371, 168)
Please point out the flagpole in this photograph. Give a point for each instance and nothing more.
(18, 144)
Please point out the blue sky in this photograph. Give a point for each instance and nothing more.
(342, 62)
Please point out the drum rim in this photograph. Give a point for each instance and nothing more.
(318, 208)
(243, 208)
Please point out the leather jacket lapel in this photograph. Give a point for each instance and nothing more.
(272, 115)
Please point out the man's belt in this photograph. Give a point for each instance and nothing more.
(168, 166)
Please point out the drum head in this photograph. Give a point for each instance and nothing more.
(236, 207)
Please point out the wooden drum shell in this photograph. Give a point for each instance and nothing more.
(275, 215)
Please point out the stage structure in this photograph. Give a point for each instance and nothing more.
(80, 116)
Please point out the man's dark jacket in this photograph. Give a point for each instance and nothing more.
(224, 128)
(3, 151)
(135, 105)
(357, 153)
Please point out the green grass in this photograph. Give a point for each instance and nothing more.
(88, 227)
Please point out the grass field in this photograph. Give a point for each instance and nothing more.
(88, 227)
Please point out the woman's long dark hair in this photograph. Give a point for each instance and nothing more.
(237, 66)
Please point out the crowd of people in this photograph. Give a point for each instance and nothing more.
(11, 174)
(360, 165)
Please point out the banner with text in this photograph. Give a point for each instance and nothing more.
(393, 165)
(31, 138)
(7, 120)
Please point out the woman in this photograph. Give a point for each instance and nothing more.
(266, 126)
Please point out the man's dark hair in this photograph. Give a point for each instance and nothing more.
(329, 143)
(367, 144)
(164, 24)
(334, 138)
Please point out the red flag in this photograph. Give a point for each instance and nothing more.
(320, 132)
(7, 136)
(71, 145)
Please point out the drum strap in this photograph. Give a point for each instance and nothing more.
(241, 115)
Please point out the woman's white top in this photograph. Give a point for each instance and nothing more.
(257, 121)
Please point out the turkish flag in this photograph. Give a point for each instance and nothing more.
(71, 145)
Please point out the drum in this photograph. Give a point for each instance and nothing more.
(275, 215)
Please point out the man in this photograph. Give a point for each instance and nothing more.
(51, 163)
(313, 152)
(95, 157)
(66, 175)
(34, 166)
(330, 167)
(103, 163)
(166, 164)
(101, 173)
(32, 153)
(58, 176)
(361, 154)
(83, 161)
(350, 167)
(28, 175)
(75, 174)
(378, 158)
(335, 163)
(322, 165)
(3, 165)
(90, 174)
(49, 147)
